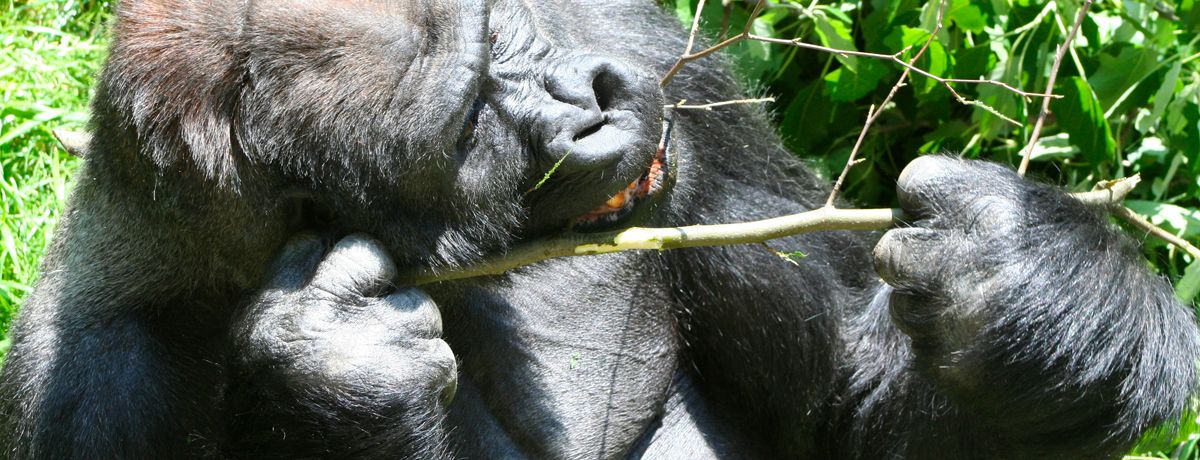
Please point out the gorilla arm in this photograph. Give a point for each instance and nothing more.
(116, 352)
(1016, 321)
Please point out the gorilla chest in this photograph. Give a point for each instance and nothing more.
(571, 358)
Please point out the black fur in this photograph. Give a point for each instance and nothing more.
(1016, 322)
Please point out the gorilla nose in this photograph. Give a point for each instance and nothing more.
(593, 117)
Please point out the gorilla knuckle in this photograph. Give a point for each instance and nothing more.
(944, 185)
(358, 264)
(904, 255)
(415, 312)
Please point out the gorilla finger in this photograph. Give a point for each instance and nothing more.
(357, 264)
(415, 313)
(912, 258)
(296, 261)
(448, 366)
(938, 183)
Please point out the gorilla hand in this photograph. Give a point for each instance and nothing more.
(966, 230)
(1030, 309)
(330, 360)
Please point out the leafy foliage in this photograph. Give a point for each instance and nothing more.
(1130, 101)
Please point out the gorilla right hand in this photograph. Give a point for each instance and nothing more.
(330, 344)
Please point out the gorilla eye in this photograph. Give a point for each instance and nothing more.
(472, 119)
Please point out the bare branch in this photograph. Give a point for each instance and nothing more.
(711, 105)
(660, 239)
(1109, 193)
(872, 113)
(1138, 221)
(582, 244)
(688, 56)
(1058, 58)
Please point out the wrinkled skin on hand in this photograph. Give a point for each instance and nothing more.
(328, 334)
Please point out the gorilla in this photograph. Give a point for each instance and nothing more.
(223, 283)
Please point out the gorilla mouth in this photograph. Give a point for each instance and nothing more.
(624, 204)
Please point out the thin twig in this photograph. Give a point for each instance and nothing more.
(688, 56)
(850, 162)
(710, 106)
(1058, 58)
(1138, 221)
(872, 113)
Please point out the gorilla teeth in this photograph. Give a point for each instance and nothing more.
(621, 205)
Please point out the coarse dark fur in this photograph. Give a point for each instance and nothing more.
(180, 315)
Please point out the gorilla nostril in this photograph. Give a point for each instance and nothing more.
(604, 87)
(589, 82)
(588, 131)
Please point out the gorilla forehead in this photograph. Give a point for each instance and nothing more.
(371, 83)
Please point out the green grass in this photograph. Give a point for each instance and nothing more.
(50, 52)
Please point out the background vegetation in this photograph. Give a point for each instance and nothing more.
(1131, 104)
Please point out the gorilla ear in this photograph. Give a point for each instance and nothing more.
(173, 75)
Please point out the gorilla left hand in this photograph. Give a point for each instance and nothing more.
(1030, 309)
(966, 230)
(327, 361)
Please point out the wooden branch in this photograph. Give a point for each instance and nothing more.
(638, 238)
(1138, 221)
(683, 104)
(1058, 58)
(661, 239)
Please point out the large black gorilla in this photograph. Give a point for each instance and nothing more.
(1015, 321)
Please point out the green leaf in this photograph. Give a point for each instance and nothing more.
(1165, 92)
(966, 16)
(836, 34)
(1189, 285)
(1118, 74)
(1054, 147)
(846, 85)
(1080, 115)
(973, 62)
(684, 11)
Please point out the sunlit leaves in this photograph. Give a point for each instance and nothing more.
(1080, 116)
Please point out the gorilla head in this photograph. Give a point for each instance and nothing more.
(422, 123)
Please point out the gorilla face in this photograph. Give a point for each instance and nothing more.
(432, 124)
